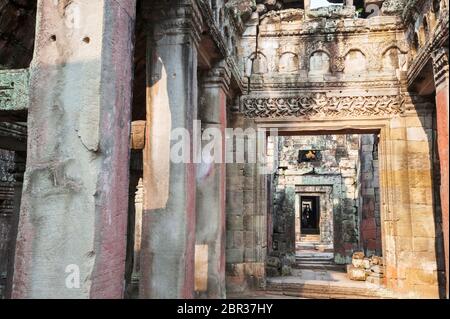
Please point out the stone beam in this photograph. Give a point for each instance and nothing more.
(72, 231)
(210, 218)
(168, 226)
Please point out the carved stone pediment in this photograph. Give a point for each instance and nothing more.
(320, 105)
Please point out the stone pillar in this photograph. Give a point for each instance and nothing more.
(396, 221)
(235, 278)
(72, 231)
(168, 227)
(409, 236)
(139, 196)
(210, 221)
(422, 273)
(440, 64)
(19, 170)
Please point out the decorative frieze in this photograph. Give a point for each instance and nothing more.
(320, 105)
(438, 39)
(440, 66)
(179, 18)
(14, 90)
(219, 75)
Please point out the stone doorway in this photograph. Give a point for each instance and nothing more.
(334, 202)
(396, 157)
(310, 215)
(319, 236)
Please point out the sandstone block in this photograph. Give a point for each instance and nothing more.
(376, 260)
(286, 270)
(235, 222)
(235, 255)
(416, 134)
(366, 263)
(355, 273)
(377, 269)
(272, 272)
(358, 260)
(375, 280)
(274, 262)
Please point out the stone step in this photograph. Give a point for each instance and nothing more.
(310, 238)
(323, 291)
(314, 256)
(314, 261)
(318, 266)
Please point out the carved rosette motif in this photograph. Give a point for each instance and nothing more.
(320, 105)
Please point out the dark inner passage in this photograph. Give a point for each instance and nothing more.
(310, 215)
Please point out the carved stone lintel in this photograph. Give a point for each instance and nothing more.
(320, 105)
(440, 66)
(178, 18)
(14, 90)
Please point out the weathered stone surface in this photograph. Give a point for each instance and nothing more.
(356, 273)
(170, 197)
(14, 90)
(393, 7)
(74, 206)
(332, 12)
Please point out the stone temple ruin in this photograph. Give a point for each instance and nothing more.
(352, 189)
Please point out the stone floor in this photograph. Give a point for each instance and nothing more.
(330, 278)
(316, 276)
(320, 284)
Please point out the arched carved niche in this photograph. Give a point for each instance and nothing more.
(319, 63)
(393, 58)
(355, 62)
(256, 64)
(289, 63)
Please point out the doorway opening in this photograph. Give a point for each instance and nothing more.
(310, 215)
(324, 203)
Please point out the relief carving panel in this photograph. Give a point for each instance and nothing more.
(320, 105)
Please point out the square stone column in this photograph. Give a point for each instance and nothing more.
(72, 231)
(168, 226)
(210, 223)
(441, 79)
